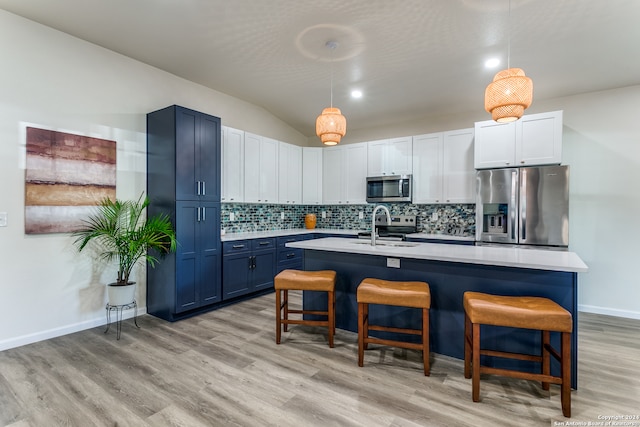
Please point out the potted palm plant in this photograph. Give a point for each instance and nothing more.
(121, 233)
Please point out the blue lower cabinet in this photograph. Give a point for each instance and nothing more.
(247, 266)
(290, 258)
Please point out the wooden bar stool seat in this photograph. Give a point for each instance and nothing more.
(324, 281)
(404, 294)
(518, 312)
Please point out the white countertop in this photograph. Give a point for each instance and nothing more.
(295, 231)
(485, 255)
(442, 237)
(288, 232)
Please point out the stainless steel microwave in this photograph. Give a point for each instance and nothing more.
(391, 188)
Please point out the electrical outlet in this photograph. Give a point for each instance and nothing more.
(361, 215)
(281, 215)
(324, 214)
(232, 216)
(393, 262)
(3, 219)
(434, 216)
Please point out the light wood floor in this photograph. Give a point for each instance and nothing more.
(224, 369)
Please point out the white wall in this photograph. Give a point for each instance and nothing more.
(51, 80)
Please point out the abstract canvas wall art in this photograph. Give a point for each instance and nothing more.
(66, 177)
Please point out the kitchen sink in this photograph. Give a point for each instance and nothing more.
(386, 243)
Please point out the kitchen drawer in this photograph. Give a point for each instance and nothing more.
(282, 241)
(263, 244)
(236, 246)
(287, 265)
(289, 254)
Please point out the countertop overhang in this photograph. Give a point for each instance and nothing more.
(484, 255)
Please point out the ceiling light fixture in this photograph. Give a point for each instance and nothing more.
(331, 125)
(511, 92)
(356, 93)
(492, 63)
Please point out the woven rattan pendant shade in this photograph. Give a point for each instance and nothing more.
(331, 126)
(508, 95)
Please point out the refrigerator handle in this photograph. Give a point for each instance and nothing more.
(513, 204)
(523, 205)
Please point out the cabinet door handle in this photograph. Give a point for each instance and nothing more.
(198, 209)
(263, 243)
(250, 263)
(238, 246)
(204, 214)
(291, 255)
(204, 188)
(197, 188)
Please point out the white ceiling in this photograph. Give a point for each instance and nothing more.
(411, 58)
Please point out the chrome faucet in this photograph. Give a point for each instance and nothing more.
(373, 221)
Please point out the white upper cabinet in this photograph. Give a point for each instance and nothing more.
(355, 164)
(312, 175)
(427, 168)
(458, 173)
(332, 175)
(260, 169)
(539, 139)
(534, 139)
(344, 174)
(290, 174)
(495, 144)
(232, 165)
(389, 157)
(443, 167)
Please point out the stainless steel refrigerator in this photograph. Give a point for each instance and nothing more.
(523, 206)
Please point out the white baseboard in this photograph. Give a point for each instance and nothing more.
(64, 330)
(609, 311)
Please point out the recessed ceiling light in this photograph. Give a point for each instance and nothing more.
(492, 63)
(356, 93)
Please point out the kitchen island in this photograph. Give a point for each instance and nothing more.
(450, 270)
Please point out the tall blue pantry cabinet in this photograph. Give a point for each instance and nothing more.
(183, 180)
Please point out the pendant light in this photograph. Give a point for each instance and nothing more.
(331, 125)
(511, 91)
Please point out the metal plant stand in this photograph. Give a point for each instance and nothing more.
(119, 309)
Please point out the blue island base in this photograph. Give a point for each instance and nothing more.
(448, 281)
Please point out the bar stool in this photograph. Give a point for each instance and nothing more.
(404, 294)
(287, 280)
(518, 312)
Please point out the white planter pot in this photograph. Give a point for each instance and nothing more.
(121, 295)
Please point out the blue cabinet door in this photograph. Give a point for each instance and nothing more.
(186, 294)
(198, 254)
(209, 250)
(186, 152)
(264, 267)
(198, 149)
(236, 272)
(209, 147)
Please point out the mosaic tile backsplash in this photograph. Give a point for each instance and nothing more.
(448, 219)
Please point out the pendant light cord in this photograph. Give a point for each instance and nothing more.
(509, 37)
(331, 103)
(331, 45)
